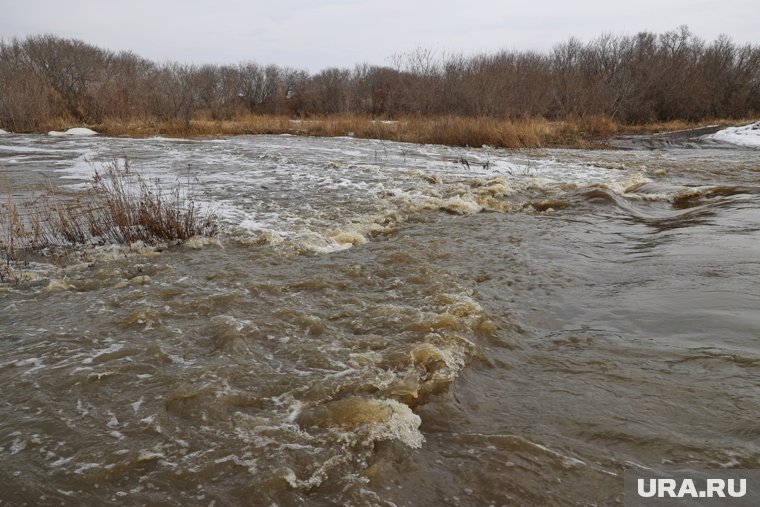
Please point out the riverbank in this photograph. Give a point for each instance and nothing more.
(583, 133)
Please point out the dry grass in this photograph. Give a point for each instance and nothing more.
(119, 207)
(11, 231)
(454, 131)
(586, 132)
(122, 207)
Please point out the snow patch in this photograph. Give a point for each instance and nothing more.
(78, 131)
(748, 135)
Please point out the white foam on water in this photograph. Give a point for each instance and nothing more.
(14, 147)
(403, 425)
(567, 461)
(108, 350)
(249, 464)
(60, 462)
(81, 168)
(323, 195)
(136, 405)
(83, 467)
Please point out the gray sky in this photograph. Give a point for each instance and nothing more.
(322, 33)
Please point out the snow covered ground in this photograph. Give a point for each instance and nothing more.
(78, 131)
(748, 135)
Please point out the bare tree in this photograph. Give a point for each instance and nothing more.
(634, 79)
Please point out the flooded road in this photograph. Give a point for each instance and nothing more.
(388, 324)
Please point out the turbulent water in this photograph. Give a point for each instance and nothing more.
(388, 324)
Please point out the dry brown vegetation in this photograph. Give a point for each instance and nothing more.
(588, 132)
(575, 94)
(119, 207)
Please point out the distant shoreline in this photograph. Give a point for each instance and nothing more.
(582, 133)
(579, 95)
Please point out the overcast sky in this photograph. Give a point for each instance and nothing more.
(317, 34)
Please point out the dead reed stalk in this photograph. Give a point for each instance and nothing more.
(10, 228)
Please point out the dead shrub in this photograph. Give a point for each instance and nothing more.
(120, 206)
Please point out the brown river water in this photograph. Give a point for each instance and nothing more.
(388, 324)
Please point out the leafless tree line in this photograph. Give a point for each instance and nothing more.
(633, 79)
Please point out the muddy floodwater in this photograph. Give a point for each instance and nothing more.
(387, 324)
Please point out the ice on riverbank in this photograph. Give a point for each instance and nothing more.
(78, 131)
(748, 135)
(4, 132)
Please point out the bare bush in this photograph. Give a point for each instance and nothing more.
(119, 207)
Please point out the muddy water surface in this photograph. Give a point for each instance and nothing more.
(388, 324)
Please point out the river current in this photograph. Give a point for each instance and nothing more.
(382, 323)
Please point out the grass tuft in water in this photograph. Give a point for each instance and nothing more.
(120, 206)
